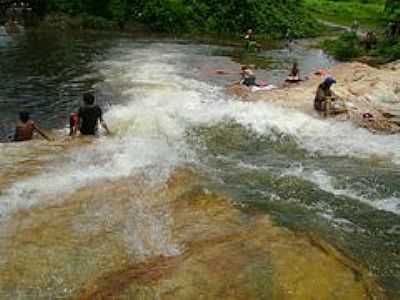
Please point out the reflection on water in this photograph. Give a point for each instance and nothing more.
(187, 196)
(42, 73)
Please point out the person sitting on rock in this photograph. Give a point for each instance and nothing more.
(324, 95)
(294, 75)
(248, 77)
(25, 129)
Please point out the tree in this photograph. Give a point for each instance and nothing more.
(392, 5)
(272, 17)
(392, 10)
(119, 11)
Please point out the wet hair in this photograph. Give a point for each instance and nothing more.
(88, 98)
(24, 116)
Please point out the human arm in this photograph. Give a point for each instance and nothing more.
(331, 95)
(42, 133)
(104, 125)
(15, 136)
(102, 122)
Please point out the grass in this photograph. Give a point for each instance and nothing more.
(369, 14)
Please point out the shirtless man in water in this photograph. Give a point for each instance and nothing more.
(25, 129)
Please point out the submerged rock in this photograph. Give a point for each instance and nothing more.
(130, 240)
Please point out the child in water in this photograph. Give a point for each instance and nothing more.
(25, 129)
(248, 77)
(88, 117)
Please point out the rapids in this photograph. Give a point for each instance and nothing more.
(197, 194)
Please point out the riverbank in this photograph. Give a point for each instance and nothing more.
(364, 90)
(361, 29)
(66, 23)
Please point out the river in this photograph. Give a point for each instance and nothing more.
(197, 194)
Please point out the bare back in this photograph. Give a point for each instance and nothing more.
(24, 131)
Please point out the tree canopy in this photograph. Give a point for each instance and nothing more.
(392, 8)
(274, 17)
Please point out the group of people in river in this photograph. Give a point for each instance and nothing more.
(87, 119)
(89, 116)
(86, 122)
(324, 96)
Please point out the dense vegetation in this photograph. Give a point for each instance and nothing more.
(270, 17)
(378, 19)
(369, 13)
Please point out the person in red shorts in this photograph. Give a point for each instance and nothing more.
(87, 118)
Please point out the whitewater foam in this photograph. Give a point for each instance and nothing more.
(199, 103)
(327, 183)
(164, 101)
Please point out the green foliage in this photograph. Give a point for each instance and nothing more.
(391, 6)
(368, 13)
(392, 10)
(346, 47)
(94, 22)
(117, 9)
(388, 51)
(279, 18)
(268, 17)
(166, 15)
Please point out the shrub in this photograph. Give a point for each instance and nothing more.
(388, 50)
(268, 17)
(94, 22)
(346, 47)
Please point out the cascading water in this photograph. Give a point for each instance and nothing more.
(109, 199)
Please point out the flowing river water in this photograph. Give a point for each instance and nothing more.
(197, 195)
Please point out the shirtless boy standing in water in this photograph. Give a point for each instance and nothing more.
(25, 129)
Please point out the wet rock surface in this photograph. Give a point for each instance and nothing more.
(128, 240)
(363, 89)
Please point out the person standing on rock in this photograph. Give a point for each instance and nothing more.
(324, 95)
